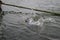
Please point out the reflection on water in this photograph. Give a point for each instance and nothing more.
(30, 26)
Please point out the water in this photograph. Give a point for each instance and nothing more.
(15, 27)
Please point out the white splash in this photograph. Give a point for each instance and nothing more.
(40, 21)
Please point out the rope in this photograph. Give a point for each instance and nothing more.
(57, 14)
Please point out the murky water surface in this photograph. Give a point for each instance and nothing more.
(30, 26)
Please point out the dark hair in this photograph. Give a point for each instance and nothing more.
(0, 1)
(0, 6)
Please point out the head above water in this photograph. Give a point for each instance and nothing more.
(0, 5)
(0, 2)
